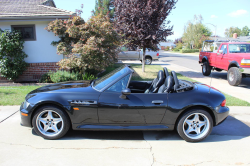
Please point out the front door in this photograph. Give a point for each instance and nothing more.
(137, 108)
(222, 58)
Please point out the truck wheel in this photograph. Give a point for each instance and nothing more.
(206, 69)
(148, 61)
(234, 76)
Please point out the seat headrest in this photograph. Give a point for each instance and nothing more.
(160, 75)
(169, 83)
(176, 81)
(165, 72)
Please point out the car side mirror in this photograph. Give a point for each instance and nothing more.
(125, 92)
(220, 52)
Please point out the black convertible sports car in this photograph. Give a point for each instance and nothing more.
(114, 102)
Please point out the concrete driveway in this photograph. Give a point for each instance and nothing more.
(227, 145)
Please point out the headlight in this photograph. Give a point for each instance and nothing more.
(245, 62)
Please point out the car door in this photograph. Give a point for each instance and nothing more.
(136, 108)
(222, 58)
(133, 53)
(123, 54)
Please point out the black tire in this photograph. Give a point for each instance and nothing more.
(205, 130)
(206, 69)
(234, 76)
(148, 61)
(58, 119)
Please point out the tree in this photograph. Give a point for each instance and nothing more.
(95, 41)
(179, 40)
(104, 7)
(142, 22)
(195, 33)
(12, 62)
(230, 31)
(245, 31)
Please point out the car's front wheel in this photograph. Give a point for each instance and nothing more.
(234, 76)
(50, 122)
(195, 125)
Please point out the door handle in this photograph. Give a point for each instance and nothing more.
(157, 101)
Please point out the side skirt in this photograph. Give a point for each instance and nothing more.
(120, 127)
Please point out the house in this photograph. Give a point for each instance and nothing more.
(164, 45)
(234, 38)
(31, 17)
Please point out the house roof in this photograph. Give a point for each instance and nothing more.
(30, 8)
(240, 38)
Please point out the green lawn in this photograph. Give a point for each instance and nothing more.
(14, 95)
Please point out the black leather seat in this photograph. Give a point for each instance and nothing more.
(156, 84)
(167, 86)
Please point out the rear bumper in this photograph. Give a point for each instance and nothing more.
(222, 114)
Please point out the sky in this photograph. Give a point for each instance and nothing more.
(221, 13)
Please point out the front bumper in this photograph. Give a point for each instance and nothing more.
(245, 70)
(25, 116)
(221, 114)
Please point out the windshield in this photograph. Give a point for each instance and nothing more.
(239, 48)
(106, 79)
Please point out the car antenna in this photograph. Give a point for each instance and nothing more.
(211, 79)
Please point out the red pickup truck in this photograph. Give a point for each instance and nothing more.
(234, 57)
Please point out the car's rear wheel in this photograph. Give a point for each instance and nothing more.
(148, 61)
(206, 69)
(234, 76)
(195, 125)
(50, 122)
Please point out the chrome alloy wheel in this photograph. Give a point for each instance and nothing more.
(231, 76)
(49, 123)
(147, 61)
(196, 126)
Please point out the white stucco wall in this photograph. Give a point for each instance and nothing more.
(40, 50)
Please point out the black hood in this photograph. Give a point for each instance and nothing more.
(62, 85)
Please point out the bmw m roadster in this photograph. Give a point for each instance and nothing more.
(115, 102)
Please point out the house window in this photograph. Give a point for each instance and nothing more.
(28, 31)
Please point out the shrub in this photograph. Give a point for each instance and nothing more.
(72, 63)
(167, 48)
(45, 78)
(95, 41)
(189, 50)
(62, 76)
(12, 62)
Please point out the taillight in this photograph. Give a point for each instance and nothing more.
(223, 104)
(157, 54)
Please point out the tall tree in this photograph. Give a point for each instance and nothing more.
(245, 31)
(195, 33)
(142, 22)
(230, 31)
(104, 7)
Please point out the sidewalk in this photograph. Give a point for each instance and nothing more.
(178, 53)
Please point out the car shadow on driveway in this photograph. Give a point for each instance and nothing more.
(230, 129)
